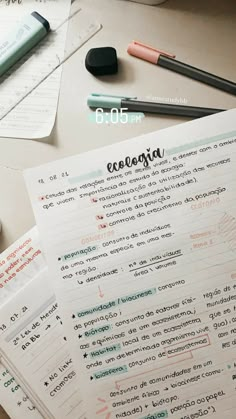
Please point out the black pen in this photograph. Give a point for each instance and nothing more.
(166, 60)
(96, 100)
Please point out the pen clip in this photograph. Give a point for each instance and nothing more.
(159, 51)
(113, 96)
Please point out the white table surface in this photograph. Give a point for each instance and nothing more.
(200, 32)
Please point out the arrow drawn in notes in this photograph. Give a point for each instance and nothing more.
(117, 385)
(100, 293)
(103, 409)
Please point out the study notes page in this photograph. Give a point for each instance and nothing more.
(140, 242)
(19, 264)
(33, 345)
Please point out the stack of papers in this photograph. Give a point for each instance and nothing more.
(34, 117)
(29, 90)
(132, 312)
(18, 266)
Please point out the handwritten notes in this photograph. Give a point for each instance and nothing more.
(35, 116)
(142, 254)
(14, 400)
(18, 265)
(35, 348)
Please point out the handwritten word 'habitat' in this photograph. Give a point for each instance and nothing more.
(144, 158)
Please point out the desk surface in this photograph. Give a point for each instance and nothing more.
(197, 31)
(3, 415)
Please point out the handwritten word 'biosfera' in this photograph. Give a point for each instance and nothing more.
(144, 158)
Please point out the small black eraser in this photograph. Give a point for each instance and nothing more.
(101, 61)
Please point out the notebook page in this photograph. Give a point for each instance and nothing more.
(18, 265)
(36, 351)
(35, 116)
(140, 241)
(14, 401)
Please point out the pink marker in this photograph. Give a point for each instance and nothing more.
(167, 60)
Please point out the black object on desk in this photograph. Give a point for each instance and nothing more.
(102, 61)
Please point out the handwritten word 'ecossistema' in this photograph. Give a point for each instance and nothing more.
(143, 158)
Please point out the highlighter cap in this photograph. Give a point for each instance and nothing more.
(42, 20)
(101, 61)
(21, 39)
(146, 52)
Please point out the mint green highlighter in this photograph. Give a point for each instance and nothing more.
(31, 30)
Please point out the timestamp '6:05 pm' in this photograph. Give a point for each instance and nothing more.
(116, 116)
